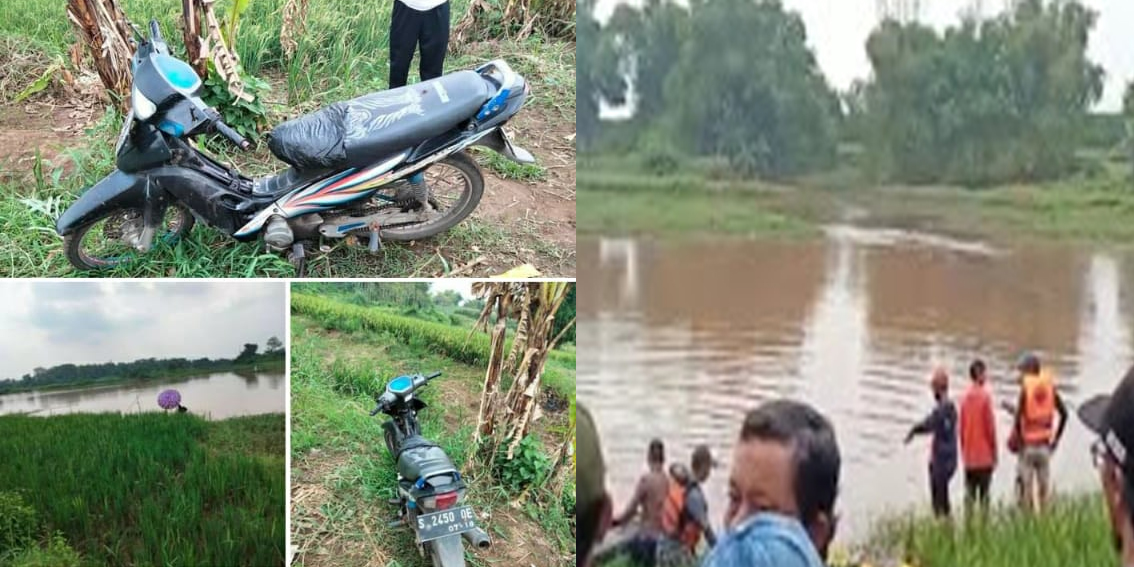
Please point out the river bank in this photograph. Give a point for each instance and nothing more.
(700, 202)
(269, 365)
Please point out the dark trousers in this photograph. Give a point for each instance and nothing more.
(976, 485)
(408, 28)
(939, 477)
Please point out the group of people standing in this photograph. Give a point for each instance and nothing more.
(784, 477)
(1038, 422)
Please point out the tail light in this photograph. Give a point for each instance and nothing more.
(445, 501)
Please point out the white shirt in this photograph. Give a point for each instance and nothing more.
(423, 5)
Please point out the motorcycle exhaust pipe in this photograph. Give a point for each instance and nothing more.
(478, 538)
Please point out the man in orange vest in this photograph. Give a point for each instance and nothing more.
(1035, 428)
(685, 516)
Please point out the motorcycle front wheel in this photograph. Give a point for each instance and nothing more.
(109, 240)
(456, 185)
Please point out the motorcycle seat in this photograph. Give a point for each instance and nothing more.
(420, 457)
(364, 130)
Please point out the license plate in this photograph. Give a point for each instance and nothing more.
(445, 523)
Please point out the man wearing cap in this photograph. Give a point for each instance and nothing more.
(590, 486)
(942, 424)
(1035, 427)
(782, 490)
(1112, 418)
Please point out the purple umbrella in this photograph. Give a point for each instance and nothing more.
(169, 399)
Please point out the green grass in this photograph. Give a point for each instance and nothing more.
(1074, 532)
(336, 445)
(153, 489)
(1094, 208)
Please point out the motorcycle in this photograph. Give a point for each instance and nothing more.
(388, 165)
(430, 488)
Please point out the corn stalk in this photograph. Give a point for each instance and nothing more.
(104, 30)
(518, 19)
(294, 24)
(200, 16)
(504, 420)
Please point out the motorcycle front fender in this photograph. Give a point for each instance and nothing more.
(119, 190)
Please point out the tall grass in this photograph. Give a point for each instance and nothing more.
(152, 489)
(1075, 531)
(450, 341)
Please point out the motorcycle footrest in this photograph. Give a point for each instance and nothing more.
(396, 523)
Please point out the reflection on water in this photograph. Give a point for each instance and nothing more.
(701, 333)
(216, 396)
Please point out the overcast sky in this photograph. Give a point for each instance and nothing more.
(51, 323)
(837, 31)
(463, 287)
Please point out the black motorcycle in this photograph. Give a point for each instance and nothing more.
(430, 488)
(388, 165)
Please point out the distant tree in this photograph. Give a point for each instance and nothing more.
(447, 298)
(248, 352)
(1128, 110)
(762, 102)
(274, 345)
(984, 102)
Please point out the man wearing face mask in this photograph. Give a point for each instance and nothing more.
(782, 490)
(1112, 418)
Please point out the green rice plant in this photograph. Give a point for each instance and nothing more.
(454, 342)
(1073, 531)
(151, 489)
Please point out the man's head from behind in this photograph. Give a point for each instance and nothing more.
(977, 371)
(655, 455)
(787, 461)
(593, 501)
(702, 463)
(1112, 418)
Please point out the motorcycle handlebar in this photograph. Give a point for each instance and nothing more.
(232, 135)
(434, 375)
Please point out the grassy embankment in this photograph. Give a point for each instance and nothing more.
(342, 355)
(1074, 532)
(342, 54)
(145, 489)
(619, 197)
(267, 365)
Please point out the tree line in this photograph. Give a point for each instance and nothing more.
(984, 101)
(140, 369)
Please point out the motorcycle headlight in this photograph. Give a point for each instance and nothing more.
(143, 107)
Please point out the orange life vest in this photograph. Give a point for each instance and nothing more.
(1038, 414)
(675, 522)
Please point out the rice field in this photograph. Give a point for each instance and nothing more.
(152, 489)
(451, 341)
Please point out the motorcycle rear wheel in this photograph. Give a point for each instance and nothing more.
(109, 231)
(448, 551)
(457, 173)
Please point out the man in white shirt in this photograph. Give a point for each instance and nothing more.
(413, 22)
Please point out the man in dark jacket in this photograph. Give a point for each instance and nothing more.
(942, 424)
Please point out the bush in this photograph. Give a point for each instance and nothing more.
(55, 554)
(17, 522)
(244, 117)
(528, 465)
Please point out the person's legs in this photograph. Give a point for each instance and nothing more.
(405, 25)
(434, 41)
(970, 487)
(939, 490)
(983, 481)
(1024, 483)
(1042, 471)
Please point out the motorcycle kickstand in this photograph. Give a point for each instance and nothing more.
(375, 240)
(298, 258)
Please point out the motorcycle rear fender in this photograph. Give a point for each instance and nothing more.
(119, 190)
(498, 142)
(449, 551)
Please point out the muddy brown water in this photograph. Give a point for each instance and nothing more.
(215, 396)
(681, 339)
